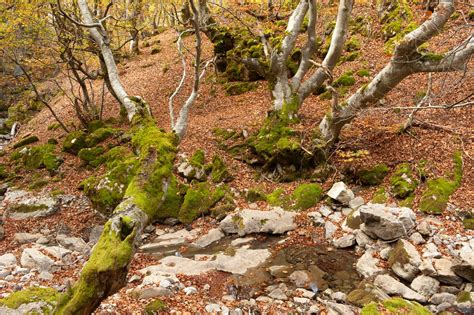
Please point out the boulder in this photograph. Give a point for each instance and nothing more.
(464, 265)
(7, 260)
(405, 260)
(33, 258)
(425, 285)
(24, 238)
(340, 192)
(386, 223)
(73, 243)
(443, 297)
(391, 286)
(444, 272)
(367, 265)
(275, 221)
(21, 205)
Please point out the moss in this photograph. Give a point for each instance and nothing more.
(237, 88)
(306, 196)
(26, 141)
(468, 223)
(363, 73)
(372, 176)
(436, 196)
(74, 142)
(471, 15)
(398, 255)
(428, 56)
(94, 125)
(41, 156)
(173, 201)
(198, 159)
(223, 134)
(407, 202)
(352, 44)
(109, 260)
(464, 296)
(27, 208)
(390, 45)
(155, 307)
(361, 297)
(277, 198)
(254, 195)
(99, 135)
(380, 196)
(347, 79)
(30, 295)
(353, 221)
(3, 172)
(54, 126)
(403, 182)
(92, 156)
(38, 184)
(219, 172)
(56, 192)
(395, 306)
(52, 141)
(198, 201)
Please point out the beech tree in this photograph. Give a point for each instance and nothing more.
(106, 271)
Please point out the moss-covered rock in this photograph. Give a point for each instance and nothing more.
(306, 196)
(372, 176)
(278, 198)
(395, 306)
(468, 223)
(26, 141)
(48, 296)
(92, 156)
(436, 196)
(198, 201)
(353, 220)
(3, 172)
(403, 181)
(41, 156)
(253, 195)
(99, 135)
(219, 171)
(94, 125)
(155, 307)
(346, 79)
(363, 73)
(237, 88)
(364, 294)
(74, 142)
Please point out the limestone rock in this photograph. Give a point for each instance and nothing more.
(33, 258)
(345, 241)
(24, 238)
(152, 292)
(386, 223)
(393, 287)
(21, 205)
(444, 272)
(329, 229)
(443, 297)
(405, 260)
(212, 236)
(340, 192)
(464, 265)
(171, 239)
(300, 278)
(425, 285)
(367, 265)
(7, 260)
(275, 221)
(73, 243)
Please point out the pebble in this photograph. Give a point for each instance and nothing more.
(213, 308)
(189, 290)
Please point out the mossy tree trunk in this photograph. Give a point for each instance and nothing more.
(405, 61)
(145, 197)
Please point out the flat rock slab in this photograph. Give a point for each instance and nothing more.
(171, 239)
(21, 205)
(393, 287)
(275, 221)
(236, 263)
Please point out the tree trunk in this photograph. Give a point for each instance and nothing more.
(406, 61)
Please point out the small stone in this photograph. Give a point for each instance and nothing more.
(444, 272)
(190, 290)
(431, 251)
(42, 240)
(165, 283)
(405, 260)
(300, 278)
(340, 192)
(24, 238)
(301, 300)
(7, 260)
(305, 293)
(149, 293)
(241, 241)
(362, 239)
(339, 296)
(212, 236)
(279, 271)
(278, 294)
(264, 299)
(335, 217)
(345, 241)
(314, 309)
(417, 239)
(330, 229)
(385, 253)
(394, 287)
(367, 265)
(444, 297)
(424, 228)
(356, 202)
(44, 275)
(325, 210)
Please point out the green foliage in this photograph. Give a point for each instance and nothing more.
(464, 296)
(26, 141)
(372, 176)
(74, 142)
(306, 196)
(94, 125)
(436, 196)
(3, 172)
(30, 295)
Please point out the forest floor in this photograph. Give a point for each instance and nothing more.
(440, 133)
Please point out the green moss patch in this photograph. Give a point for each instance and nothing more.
(99, 135)
(306, 196)
(237, 88)
(219, 171)
(198, 201)
(92, 156)
(372, 176)
(468, 223)
(380, 196)
(30, 295)
(155, 307)
(346, 79)
(41, 156)
(278, 198)
(74, 142)
(26, 141)
(395, 306)
(436, 196)
(403, 181)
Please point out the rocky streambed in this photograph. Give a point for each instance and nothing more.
(344, 258)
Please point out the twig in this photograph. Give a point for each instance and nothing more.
(409, 122)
